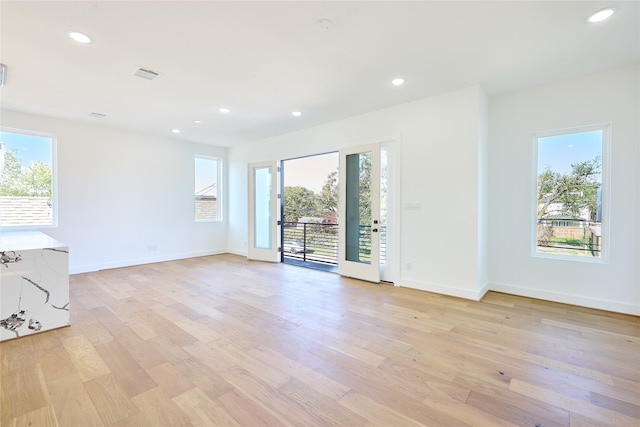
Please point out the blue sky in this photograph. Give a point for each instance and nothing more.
(206, 174)
(30, 147)
(558, 152)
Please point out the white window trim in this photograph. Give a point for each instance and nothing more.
(54, 181)
(605, 197)
(220, 194)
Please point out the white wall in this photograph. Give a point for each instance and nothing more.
(610, 97)
(466, 158)
(439, 142)
(124, 198)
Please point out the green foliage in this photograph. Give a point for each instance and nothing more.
(570, 241)
(34, 181)
(575, 191)
(365, 189)
(298, 202)
(328, 197)
(10, 177)
(37, 179)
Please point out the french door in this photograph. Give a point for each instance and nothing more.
(264, 212)
(359, 213)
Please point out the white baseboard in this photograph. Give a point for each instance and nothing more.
(236, 252)
(582, 301)
(578, 300)
(444, 289)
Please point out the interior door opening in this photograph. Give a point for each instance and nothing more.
(310, 211)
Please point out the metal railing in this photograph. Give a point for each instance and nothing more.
(315, 242)
(569, 235)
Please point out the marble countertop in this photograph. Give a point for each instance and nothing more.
(25, 240)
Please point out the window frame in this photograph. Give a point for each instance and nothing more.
(219, 194)
(54, 180)
(604, 197)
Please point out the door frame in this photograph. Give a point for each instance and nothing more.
(391, 271)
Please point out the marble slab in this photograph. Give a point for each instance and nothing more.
(34, 284)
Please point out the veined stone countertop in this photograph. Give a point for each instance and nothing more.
(25, 240)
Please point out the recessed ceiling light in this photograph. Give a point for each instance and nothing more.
(79, 37)
(601, 15)
(297, 113)
(224, 110)
(399, 81)
(176, 131)
(197, 122)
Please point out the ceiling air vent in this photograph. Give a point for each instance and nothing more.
(145, 73)
(97, 115)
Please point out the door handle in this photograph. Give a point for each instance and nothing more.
(375, 230)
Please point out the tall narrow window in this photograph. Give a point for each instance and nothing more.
(571, 193)
(207, 192)
(27, 180)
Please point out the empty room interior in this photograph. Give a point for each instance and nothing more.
(475, 255)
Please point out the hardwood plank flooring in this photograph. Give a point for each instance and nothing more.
(222, 341)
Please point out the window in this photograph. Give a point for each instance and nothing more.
(27, 180)
(207, 192)
(571, 195)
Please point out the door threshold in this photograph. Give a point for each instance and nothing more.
(331, 268)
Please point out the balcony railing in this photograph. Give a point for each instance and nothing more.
(314, 242)
(569, 236)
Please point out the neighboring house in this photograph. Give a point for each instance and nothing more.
(329, 216)
(18, 211)
(206, 208)
(311, 220)
(555, 210)
(317, 220)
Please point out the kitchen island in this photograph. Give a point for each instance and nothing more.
(34, 284)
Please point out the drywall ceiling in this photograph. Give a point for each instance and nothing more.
(263, 60)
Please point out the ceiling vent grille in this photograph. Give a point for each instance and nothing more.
(146, 73)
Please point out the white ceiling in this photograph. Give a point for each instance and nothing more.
(265, 59)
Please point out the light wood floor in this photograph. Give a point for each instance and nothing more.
(223, 341)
